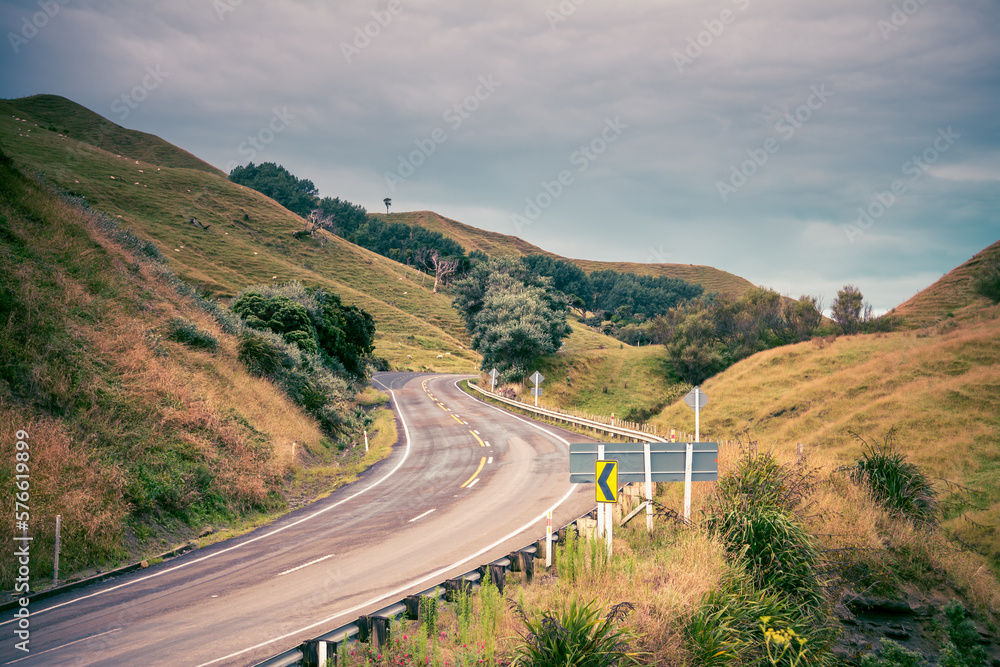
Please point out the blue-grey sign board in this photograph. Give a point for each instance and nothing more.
(666, 460)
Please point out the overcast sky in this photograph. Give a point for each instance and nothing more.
(763, 138)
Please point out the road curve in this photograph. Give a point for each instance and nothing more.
(467, 483)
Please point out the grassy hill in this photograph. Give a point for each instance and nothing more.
(494, 243)
(137, 438)
(938, 386)
(950, 295)
(158, 189)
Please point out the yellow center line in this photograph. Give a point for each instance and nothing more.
(443, 408)
(456, 417)
(477, 438)
(482, 462)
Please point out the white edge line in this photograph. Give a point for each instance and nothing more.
(489, 460)
(56, 648)
(432, 575)
(417, 518)
(406, 454)
(312, 562)
(473, 483)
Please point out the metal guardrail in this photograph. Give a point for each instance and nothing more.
(374, 627)
(571, 419)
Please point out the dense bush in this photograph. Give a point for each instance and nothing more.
(895, 483)
(314, 320)
(986, 281)
(707, 335)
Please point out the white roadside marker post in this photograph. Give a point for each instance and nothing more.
(649, 486)
(600, 506)
(548, 539)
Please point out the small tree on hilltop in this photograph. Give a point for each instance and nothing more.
(387, 201)
(848, 308)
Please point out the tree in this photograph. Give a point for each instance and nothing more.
(512, 314)
(273, 180)
(443, 267)
(847, 309)
(387, 201)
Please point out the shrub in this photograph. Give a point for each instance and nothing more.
(188, 333)
(751, 512)
(578, 636)
(730, 626)
(986, 281)
(962, 648)
(893, 482)
(776, 551)
(892, 654)
(759, 480)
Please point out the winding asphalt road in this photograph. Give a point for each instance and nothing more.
(466, 483)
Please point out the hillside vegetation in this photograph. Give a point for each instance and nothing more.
(950, 295)
(143, 424)
(249, 238)
(494, 243)
(939, 386)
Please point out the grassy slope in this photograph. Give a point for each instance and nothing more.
(492, 243)
(250, 239)
(119, 416)
(948, 296)
(940, 388)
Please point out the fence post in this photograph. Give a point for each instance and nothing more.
(55, 571)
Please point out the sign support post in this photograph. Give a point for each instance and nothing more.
(600, 506)
(688, 456)
(494, 374)
(647, 464)
(606, 492)
(537, 378)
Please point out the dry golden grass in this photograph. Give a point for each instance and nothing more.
(108, 398)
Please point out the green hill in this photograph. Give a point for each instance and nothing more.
(156, 192)
(938, 386)
(494, 243)
(143, 424)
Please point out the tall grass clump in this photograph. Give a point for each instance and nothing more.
(575, 636)
(579, 556)
(187, 332)
(775, 592)
(739, 623)
(893, 482)
(752, 515)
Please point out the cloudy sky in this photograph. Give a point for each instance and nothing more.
(802, 145)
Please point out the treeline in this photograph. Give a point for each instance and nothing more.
(413, 245)
(611, 294)
(709, 334)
